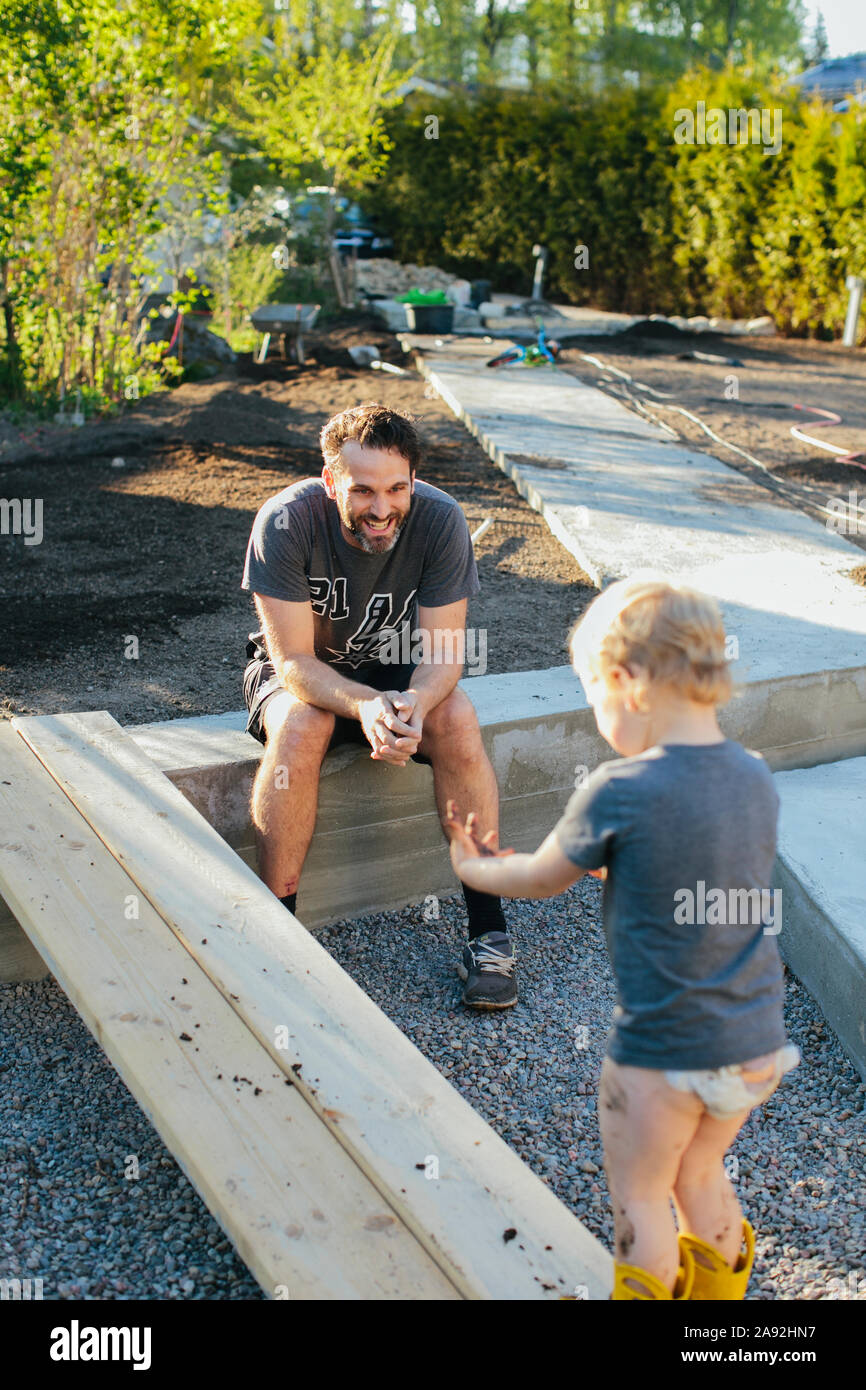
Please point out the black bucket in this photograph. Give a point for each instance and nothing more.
(481, 292)
(430, 318)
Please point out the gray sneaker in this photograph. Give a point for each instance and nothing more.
(487, 966)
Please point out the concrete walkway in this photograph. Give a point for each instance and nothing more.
(621, 496)
(571, 320)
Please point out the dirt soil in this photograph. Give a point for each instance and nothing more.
(771, 377)
(146, 519)
(146, 516)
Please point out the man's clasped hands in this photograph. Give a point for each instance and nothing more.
(393, 724)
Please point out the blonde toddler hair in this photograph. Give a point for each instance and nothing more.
(675, 634)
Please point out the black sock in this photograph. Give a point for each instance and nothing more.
(485, 912)
(289, 901)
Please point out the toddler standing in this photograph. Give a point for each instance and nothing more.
(683, 830)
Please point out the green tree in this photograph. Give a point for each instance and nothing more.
(764, 33)
(105, 114)
(811, 231)
(319, 114)
(35, 60)
(819, 45)
(442, 40)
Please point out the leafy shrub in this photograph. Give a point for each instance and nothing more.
(719, 229)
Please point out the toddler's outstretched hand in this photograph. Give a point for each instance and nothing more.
(466, 842)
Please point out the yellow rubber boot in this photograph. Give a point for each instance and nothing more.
(714, 1280)
(650, 1287)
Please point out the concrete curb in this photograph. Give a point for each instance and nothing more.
(378, 843)
(821, 870)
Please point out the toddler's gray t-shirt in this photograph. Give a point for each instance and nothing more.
(363, 604)
(688, 835)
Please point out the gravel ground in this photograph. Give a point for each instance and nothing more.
(69, 1216)
(800, 1161)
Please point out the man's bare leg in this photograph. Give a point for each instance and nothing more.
(451, 739)
(286, 789)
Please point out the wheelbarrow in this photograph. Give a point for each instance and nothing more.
(288, 321)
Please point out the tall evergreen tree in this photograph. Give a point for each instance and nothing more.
(819, 47)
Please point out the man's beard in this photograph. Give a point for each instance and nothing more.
(373, 547)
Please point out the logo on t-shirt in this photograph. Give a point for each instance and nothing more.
(376, 631)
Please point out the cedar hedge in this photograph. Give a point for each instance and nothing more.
(714, 228)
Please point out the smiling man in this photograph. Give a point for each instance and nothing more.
(345, 570)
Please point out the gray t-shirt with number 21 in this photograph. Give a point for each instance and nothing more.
(360, 602)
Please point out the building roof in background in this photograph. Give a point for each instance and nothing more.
(833, 79)
(416, 84)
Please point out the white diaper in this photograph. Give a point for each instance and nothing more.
(729, 1091)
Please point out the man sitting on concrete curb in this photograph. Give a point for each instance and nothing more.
(343, 569)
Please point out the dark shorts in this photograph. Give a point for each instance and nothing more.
(261, 683)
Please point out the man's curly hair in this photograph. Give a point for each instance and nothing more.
(375, 427)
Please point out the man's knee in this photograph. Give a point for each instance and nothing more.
(452, 733)
(453, 718)
(293, 725)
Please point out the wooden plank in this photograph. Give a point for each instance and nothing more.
(390, 1107)
(19, 960)
(299, 1211)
